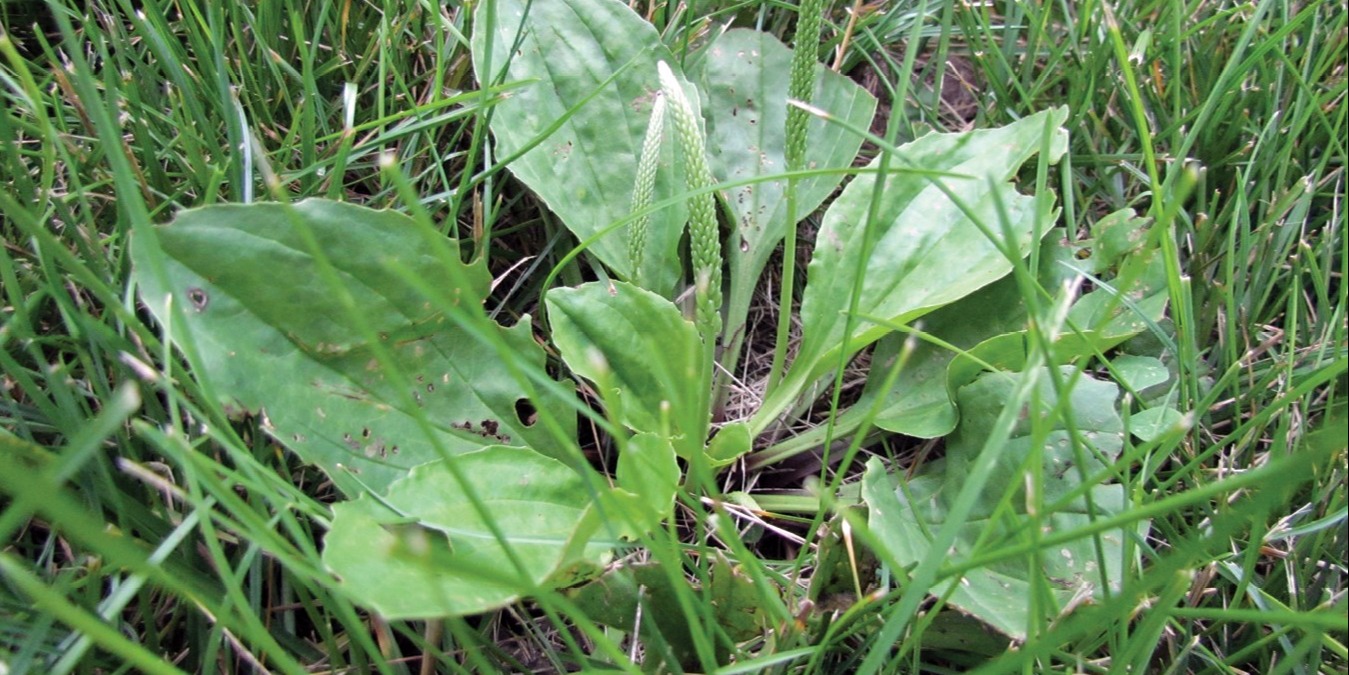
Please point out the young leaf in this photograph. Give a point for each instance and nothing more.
(1153, 423)
(618, 335)
(903, 517)
(594, 62)
(647, 469)
(275, 339)
(731, 441)
(424, 550)
(1139, 373)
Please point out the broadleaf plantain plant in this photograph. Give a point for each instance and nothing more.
(359, 336)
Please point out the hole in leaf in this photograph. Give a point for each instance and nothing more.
(198, 298)
(526, 412)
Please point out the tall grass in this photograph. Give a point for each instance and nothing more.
(145, 530)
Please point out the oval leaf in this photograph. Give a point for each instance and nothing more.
(928, 252)
(638, 348)
(425, 551)
(903, 515)
(647, 468)
(273, 338)
(1154, 423)
(593, 63)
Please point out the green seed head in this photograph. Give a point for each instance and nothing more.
(801, 86)
(704, 237)
(645, 189)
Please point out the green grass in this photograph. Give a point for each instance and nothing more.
(144, 529)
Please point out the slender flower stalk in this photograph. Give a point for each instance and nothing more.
(800, 87)
(645, 189)
(704, 240)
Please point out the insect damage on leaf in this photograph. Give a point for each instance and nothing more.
(198, 298)
(489, 429)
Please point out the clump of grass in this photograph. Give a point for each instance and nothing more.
(143, 529)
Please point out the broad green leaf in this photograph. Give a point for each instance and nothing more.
(1139, 373)
(904, 517)
(592, 63)
(275, 339)
(731, 441)
(1115, 236)
(991, 323)
(744, 78)
(920, 404)
(647, 468)
(425, 551)
(642, 353)
(1153, 423)
(1124, 306)
(928, 251)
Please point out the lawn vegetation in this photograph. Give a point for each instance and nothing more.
(1095, 421)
